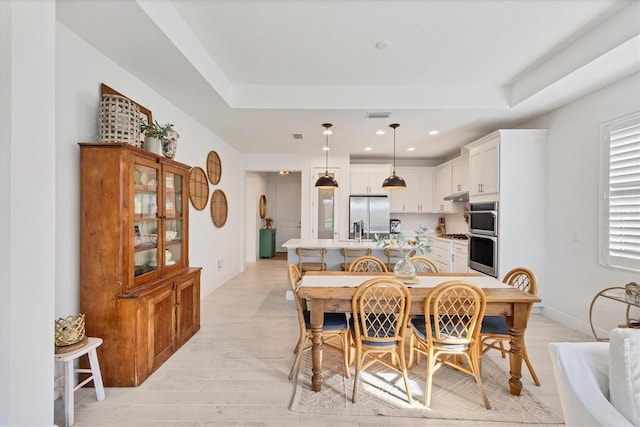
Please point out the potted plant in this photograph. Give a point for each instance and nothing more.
(154, 133)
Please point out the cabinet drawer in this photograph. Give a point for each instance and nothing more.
(440, 244)
(441, 256)
(460, 249)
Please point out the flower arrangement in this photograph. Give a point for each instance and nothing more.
(421, 243)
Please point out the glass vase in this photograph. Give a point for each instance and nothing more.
(404, 269)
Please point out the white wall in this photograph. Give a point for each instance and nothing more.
(305, 164)
(28, 211)
(256, 185)
(573, 273)
(80, 70)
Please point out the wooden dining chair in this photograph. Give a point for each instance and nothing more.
(495, 331)
(393, 256)
(424, 264)
(311, 259)
(349, 254)
(335, 327)
(366, 264)
(450, 329)
(378, 327)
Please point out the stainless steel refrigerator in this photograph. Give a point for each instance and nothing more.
(374, 211)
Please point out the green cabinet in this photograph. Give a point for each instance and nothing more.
(267, 242)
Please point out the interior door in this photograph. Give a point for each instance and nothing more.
(325, 207)
(287, 213)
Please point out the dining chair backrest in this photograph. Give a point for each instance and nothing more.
(311, 259)
(294, 282)
(424, 264)
(523, 279)
(381, 310)
(349, 254)
(454, 310)
(367, 264)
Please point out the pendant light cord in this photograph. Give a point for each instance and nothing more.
(394, 126)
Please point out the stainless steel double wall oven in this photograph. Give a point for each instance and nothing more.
(483, 237)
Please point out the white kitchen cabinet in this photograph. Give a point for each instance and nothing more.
(460, 258)
(441, 254)
(518, 182)
(460, 175)
(484, 164)
(418, 196)
(368, 179)
(443, 188)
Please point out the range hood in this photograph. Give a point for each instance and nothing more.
(462, 196)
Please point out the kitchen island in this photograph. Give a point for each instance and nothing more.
(333, 258)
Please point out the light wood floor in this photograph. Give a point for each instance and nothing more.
(234, 370)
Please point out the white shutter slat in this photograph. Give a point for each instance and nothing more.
(623, 193)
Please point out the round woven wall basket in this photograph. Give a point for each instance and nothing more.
(198, 188)
(119, 120)
(219, 208)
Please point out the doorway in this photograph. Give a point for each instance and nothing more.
(288, 219)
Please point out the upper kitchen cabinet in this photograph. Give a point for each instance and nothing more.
(443, 188)
(484, 164)
(460, 175)
(418, 196)
(451, 177)
(505, 148)
(367, 179)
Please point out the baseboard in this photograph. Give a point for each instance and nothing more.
(571, 322)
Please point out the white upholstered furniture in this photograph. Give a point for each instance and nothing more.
(599, 382)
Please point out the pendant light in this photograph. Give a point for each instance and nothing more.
(394, 182)
(326, 181)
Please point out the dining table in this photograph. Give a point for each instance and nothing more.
(332, 291)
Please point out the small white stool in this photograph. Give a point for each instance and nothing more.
(68, 359)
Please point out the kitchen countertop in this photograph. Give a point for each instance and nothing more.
(347, 243)
(329, 244)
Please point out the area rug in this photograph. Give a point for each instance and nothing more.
(381, 392)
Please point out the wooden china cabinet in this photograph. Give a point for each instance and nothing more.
(137, 290)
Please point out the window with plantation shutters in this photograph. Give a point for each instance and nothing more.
(620, 213)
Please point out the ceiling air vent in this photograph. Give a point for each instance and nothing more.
(378, 115)
(297, 136)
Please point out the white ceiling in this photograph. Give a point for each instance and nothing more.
(257, 71)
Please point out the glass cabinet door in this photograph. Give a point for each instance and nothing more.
(173, 219)
(146, 221)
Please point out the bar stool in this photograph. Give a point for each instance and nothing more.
(68, 359)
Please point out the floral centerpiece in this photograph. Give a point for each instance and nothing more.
(420, 243)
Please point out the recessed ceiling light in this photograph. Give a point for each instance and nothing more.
(382, 45)
(380, 132)
(368, 149)
(434, 132)
(284, 172)
(411, 149)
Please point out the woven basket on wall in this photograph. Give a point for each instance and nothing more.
(119, 120)
(69, 330)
